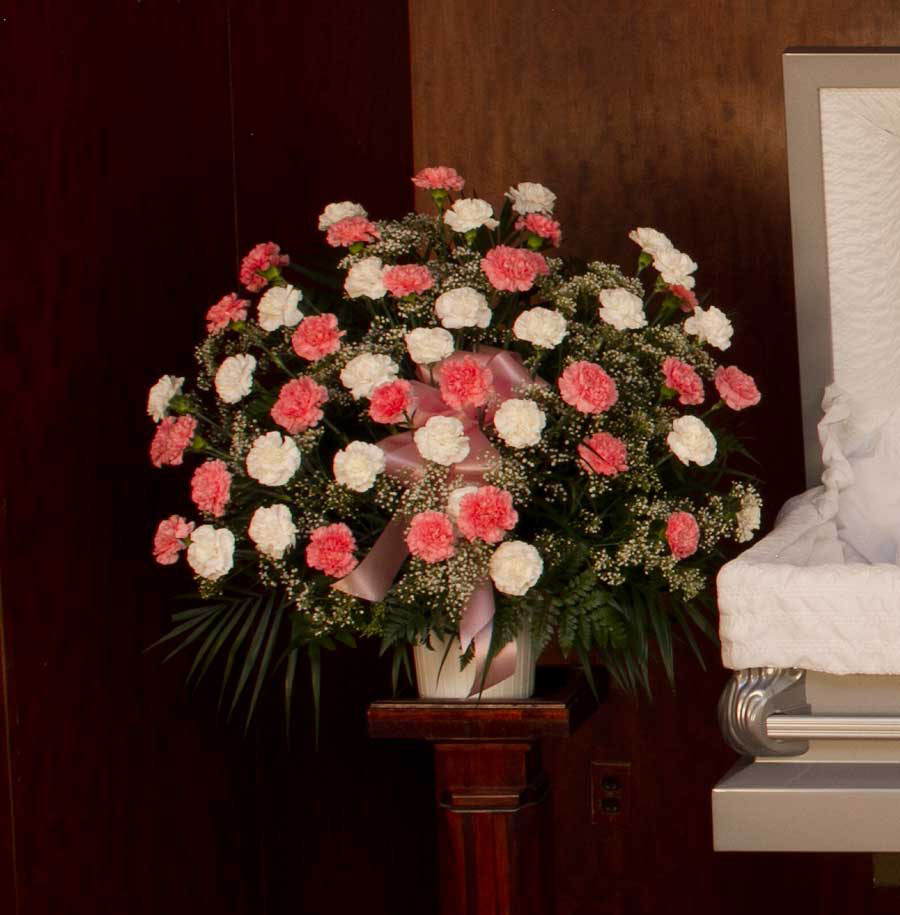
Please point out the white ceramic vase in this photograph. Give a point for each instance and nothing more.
(454, 683)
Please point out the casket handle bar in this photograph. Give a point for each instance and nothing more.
(749, 700)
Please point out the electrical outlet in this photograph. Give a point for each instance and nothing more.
(610, 795)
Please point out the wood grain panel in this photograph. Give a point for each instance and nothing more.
(669, 115)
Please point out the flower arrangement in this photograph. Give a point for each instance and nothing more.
(466, 435)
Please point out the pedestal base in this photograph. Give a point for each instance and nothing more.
(493, 798)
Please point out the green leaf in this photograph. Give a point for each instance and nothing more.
(199, 629)
(253, 652)
(290, 671)
(315, 673)
(214, 641)
(266, 658)
(184, 627)
(251, 608)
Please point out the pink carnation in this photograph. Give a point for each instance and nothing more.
(297, 407)
(406, 279)
(542, 226)
(487, 514)
(603, 453)
(464, 382)
(688, 299)
(736, 388)
(682, 534)
(439, 177)
(390, 401)
(261, 259)
(585, 386)
(211, 487)
(317, 336)
(513, 269)
(330, 549)
(229, 308)
(682, 379)
(346, 232)
(430, 536)
(172, 437)
(169, 539)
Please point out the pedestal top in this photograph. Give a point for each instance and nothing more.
(562, 701)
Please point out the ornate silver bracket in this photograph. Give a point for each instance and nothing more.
(751, 696)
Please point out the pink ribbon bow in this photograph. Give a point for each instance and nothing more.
(372, 578)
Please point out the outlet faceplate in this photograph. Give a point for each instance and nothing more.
(610, 795)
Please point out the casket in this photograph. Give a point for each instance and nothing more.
(810, 615)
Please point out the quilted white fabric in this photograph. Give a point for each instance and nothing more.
(822, 591)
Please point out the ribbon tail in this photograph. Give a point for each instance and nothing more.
(372, 578)
(477, 625)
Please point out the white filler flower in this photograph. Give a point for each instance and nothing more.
(161, 395)
(358, 466)
(470, 213)
(442, 440)
(650, 240)
(429, 344)
(335, 212)
(273, 531)
(748, 518)
(515, 567)
(621, 308)
(273, 460)
(463, 307)
(278, 308)
(540, 326)
(211, 552)
(675, 267)
(456, 497)
(364, 278)
(234, 380)
(528, 197)
(711, 326)
(691, 440)
(362, 374)
(520, 422)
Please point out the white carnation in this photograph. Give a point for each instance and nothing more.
(650, 240)
(234, 380)
(442, 440)
(520, 422)
(540, 326)
(456, 497)
(470, 213)
(211, 552)
(748, 518)
(528, 197)
(463, 307)
(161, 395)
(335, 212)
(675, 267)
(273, 460)
(691, 440)
(358, 466)
(362, 374)
(515, 567)
(621, 308)
(429, 344)
(711, 326)
(278, 308)
(365, 278)
(273, 531)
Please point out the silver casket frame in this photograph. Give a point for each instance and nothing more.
(820, 767)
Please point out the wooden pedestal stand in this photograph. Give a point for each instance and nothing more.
(493, 816)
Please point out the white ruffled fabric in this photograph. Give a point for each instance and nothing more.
(822, 591)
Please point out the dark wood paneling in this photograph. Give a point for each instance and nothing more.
(669, 115)
(127, 797)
